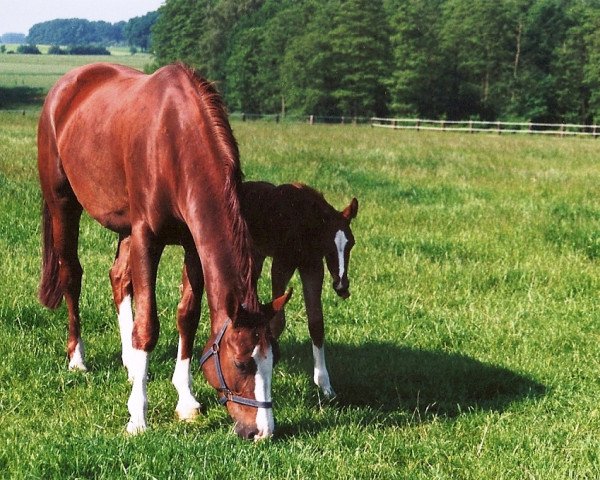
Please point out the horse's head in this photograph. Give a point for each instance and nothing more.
(339, 243)
(244, 352)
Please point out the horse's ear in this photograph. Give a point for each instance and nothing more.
(351, 210)
(278, 303)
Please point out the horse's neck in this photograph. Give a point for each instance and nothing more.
(226, 270)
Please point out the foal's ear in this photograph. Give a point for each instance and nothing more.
(278, 303)
(351, 210)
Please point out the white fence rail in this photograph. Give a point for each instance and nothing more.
(473, 126)
(469, 126)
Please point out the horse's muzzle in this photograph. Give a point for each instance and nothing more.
(342, 288)
(251, 432)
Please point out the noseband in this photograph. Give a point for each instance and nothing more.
(227, 394)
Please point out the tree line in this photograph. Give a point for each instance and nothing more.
(80, 32)
(536, 60)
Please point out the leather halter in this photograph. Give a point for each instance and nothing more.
(227, 394)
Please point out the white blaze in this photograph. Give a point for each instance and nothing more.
(340, 242)
(262, 392)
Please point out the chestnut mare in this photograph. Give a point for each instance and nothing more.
(153, 158)
(296, 226)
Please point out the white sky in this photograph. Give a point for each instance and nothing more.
(19, 15)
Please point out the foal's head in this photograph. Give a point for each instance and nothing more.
(244, 353)
(339, 242)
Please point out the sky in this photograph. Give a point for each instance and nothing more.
(17, 16)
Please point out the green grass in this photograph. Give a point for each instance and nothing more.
(468, 350)
(25, 79)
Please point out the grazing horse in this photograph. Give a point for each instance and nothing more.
(295, 225)
(153, 158)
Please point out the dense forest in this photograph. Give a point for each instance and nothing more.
(77, 31)
(533, 60)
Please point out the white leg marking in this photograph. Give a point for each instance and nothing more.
(321, 376)
(187, 406)
(262, 392)
(76, 362)
(340, 242)
(126, 328)
(138, 401)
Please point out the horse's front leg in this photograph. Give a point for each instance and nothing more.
(312, 287)
(120, 279)
(188, 314)
(145, 255)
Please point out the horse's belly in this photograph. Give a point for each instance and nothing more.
(100, 188)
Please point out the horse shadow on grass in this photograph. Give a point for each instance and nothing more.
(383, 383)
(391, 384)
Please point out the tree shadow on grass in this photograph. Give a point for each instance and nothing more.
(18, 97)
(384, 379)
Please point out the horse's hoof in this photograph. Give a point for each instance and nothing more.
(135, 428)
(77, 366)
(187, 413)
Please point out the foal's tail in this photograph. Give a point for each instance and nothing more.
(50, 293)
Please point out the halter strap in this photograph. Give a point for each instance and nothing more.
(227, 394)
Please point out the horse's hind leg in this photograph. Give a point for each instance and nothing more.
(188, 315)
(66, 213)
(120, 279)
(312, 287)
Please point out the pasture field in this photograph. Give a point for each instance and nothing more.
(469, 348)
(25, 79)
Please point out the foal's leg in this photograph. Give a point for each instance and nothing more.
(66, 214)
(188, 314)
(281, 273)
(145, 255)
(312, 287)
(120, 279)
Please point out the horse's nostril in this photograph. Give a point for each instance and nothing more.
(247, 433)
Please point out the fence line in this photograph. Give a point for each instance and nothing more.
(473, 126)
(469, 126)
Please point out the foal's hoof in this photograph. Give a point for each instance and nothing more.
(329, 393)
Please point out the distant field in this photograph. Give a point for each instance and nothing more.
(468, 350)
(24, 79)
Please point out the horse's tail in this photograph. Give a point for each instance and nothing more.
(50, 293)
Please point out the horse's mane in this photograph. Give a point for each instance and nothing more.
(213, 107)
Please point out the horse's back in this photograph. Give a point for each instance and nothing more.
(283, 219)
(101, 122)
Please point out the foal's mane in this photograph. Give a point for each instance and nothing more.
(213, 107)
(317, 198)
